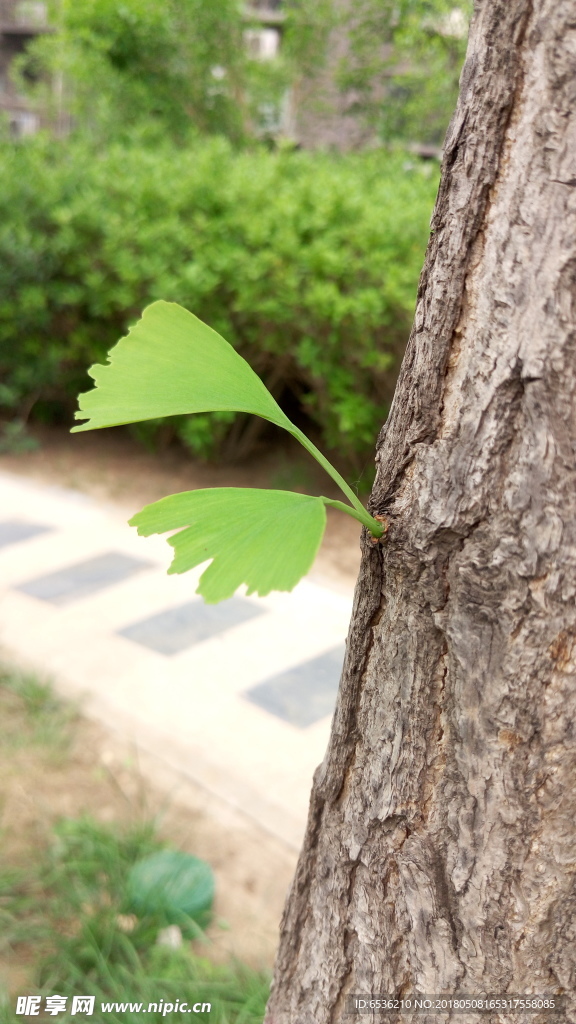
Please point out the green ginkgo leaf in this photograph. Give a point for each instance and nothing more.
(169, 364)
(265, 539)
(172, 363)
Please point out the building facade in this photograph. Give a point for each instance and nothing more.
(21, 21)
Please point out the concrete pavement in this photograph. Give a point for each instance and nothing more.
(235, 697)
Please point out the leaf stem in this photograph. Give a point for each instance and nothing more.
(358, 511)
(364, 517)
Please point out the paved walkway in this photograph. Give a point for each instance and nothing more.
(236, 697)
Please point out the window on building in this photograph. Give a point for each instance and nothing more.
(31, 12)
(262, 43)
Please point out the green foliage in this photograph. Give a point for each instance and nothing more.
(307, 264)
(15, 440)
(266, 539)
(172, 67)
(89, 862)
(306, 40)
(111, 967)
(401, 64)
(429, 41)
(101, 876)
(171, 363)
(124, 62)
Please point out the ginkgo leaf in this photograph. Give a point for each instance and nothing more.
(172, 363)
(265, 539)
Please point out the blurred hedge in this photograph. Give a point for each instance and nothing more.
(308, 264)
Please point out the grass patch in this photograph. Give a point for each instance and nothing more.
(64, 910)
(72, 905)
(43, 720)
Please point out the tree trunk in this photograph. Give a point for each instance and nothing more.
(440, 854)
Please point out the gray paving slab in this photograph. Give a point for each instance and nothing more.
(304, 694)
(13, 531)
(176, 629)
(82, 579)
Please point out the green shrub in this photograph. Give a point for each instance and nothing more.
(306, 263)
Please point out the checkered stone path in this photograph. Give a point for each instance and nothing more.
(12, 531)
(304, 694)
(176, 629)
(83, 578)
(237, 696)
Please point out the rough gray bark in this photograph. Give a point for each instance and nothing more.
(440, 854)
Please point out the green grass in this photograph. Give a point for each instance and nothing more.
(66, 903)
(72, 906)
(47, 720)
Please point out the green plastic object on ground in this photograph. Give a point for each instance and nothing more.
(172, 886)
